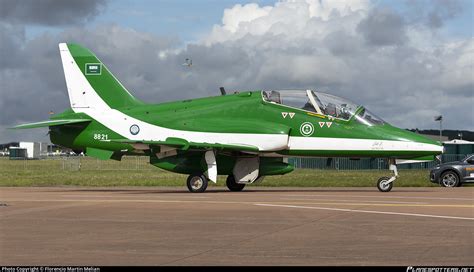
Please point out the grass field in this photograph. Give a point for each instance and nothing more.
(135, 171)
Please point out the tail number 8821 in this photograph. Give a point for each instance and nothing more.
(101, 137)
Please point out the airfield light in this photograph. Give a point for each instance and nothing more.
(440, 119)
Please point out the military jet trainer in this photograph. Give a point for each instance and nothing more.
(246, 135)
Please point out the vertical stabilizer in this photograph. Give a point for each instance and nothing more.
(90, 84)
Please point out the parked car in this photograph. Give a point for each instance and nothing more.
(454, 174)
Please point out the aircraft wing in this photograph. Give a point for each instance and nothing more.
(185, 145)
(50, 123)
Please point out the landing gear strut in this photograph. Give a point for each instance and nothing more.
(385, 184)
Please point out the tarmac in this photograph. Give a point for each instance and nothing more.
(259, 226)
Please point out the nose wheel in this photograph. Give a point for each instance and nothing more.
(385, 184)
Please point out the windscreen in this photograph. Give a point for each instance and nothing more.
(335, 106)
(368, 118)
(323, 103)
(296, 99)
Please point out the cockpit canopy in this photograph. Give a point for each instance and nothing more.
(323, 104)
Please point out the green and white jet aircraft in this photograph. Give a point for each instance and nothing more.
(245, 135)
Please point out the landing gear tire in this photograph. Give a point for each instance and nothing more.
(197, 183)
(449, 179)
(232, 185)
(384, 185)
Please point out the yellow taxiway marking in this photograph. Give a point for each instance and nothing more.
(240, 202)
(253, 203)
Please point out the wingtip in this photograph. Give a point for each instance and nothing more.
(15, 127)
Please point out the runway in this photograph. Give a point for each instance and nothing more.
(259, 226)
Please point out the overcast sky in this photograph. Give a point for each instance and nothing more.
(407, 61)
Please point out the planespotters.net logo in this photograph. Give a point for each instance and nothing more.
(440, 269)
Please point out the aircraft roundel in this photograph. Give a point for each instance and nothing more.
(134, 129)
(306, 129)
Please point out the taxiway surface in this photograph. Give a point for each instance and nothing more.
(259, 226)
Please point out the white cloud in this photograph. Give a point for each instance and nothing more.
(289, 18)
(234, 17)
(352, 48)
(458, 59)
(322, 45)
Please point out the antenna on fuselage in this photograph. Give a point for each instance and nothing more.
(222, 91)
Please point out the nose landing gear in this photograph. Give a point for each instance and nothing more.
(385, 184)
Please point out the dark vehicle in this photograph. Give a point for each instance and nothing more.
(454, 174)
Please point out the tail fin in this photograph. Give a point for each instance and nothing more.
(90, 84)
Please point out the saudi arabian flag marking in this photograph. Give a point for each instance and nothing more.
(93, 68)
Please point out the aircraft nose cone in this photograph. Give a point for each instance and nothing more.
(424, 143)
(412, 143)
(437, 148)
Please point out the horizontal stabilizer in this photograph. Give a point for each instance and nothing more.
(185, 145)
(99, 153)
(50, 123)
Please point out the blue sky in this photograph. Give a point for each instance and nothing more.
(185, 19)
(189, 20)
(182, 18)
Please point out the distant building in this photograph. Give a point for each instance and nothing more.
(17, 153)
(28, 150)
(459, 147)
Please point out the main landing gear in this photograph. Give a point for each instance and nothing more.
(385, 184)
(245, 171)
(197, 183)
(233, 185)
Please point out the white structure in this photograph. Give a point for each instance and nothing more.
(34, 149)
(457, 141)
